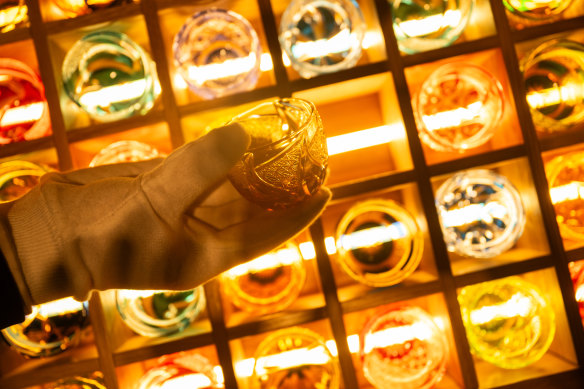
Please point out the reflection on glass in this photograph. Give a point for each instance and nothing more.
(536, 10)
(24, 113)
(109, 76)
(180, 371)
(287, 159)
(402, 348)
(554, 84)
(379, 242)
(508, 322)
(421, 25)
(157, 313)
(269, 283)
(73, 8)
(577, 274)
(12, 13)
(95, 381)
(458, 107)
(125, 151)
(322, 36)
(295, 358)
(18, 177)
(565, 175)
(49, 329)
(481, 213)
(217, 52)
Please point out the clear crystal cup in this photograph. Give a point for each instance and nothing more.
(458, 107)
(287, 159)
(24, 112)
(422, 25)
(217, 52)
(402, 348)
(322, 36)
(553, 74)
(508, 321)
(110, 76)
(379, 243)
(480, 212)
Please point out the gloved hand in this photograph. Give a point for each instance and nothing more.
(159, 224)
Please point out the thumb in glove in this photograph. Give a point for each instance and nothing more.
(170, 224)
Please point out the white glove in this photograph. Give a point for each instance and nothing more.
(173, 224)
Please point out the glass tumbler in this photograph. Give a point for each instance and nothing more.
(218, 53)
(12, 13)
(421, 25)
(18, 177)
(295, 358)
(322, 36)
(536, 10)
(268, 283)
(553, 74)
(480, 212)
(508, 321)
(49, 329)
(379, 243)
(402, 348)
(156, 313)
(287, 159)
(180, 370)
(109, 76)
(565, 174)
(458, 107)
(24, 112)
(125, 151)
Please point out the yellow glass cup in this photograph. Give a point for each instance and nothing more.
(287, 159)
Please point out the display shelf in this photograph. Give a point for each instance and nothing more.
(376, 92)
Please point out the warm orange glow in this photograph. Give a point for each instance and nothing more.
(397, 335)
(431, 24)
(580, 294)
(191, 381)
(114, 94)
(517, 305)
(366, 138)
(572, 191)
(472, 213)
(23, 114)
(553, 96)
(373, 236)
(13, 15)
(283, 257)
(453, 118)
(228, 68)
(339, 43)
(58, 307)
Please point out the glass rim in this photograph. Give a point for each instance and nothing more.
(304, 105)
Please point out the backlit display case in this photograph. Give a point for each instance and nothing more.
(526, 103)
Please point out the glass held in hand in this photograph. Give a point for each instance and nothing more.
(553, 74)
(379, 243)
(287, 159)
(217, 52)
(458, 107)
(481, 213)
(24, 112)
(322, 36)
(422, 25)
(508, 321)
(110, 76)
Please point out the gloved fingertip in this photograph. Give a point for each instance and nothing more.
(233, 138)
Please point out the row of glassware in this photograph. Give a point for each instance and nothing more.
(509, 322)
(217, 53)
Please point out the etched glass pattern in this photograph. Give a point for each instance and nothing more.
(481, 213)
(402, 348)
(322, 36)
(287, 159)
(458, 107)
(554, 84)
(508, 322)
(217, 52)
(421, 25)
(110, 76)
(295, 358)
